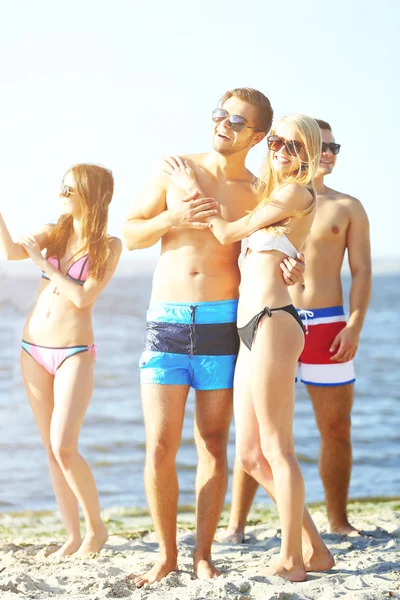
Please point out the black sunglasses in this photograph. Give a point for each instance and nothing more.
(66, 191)
(334, 148)
(236, 122)
(293, 147)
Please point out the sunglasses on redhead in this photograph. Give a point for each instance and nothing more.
(334, 148)
(66, 191)
(236, 122)
(293, 147)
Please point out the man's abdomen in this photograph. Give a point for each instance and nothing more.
(189, 277)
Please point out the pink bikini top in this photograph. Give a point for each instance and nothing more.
(77, 272)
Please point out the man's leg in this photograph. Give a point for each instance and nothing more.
(244, 488)
(213, 417)
(163, 409)
(332, 408)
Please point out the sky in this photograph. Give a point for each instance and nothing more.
(122, 83)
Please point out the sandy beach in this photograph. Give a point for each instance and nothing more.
(367, 568)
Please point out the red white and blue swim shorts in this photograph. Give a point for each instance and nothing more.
(315, 365)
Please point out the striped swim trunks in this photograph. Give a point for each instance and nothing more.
(315, 365)
(192, 344)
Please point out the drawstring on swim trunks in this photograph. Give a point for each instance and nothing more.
(192, 328)
(307, 314)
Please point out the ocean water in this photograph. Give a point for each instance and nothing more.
(113, 440)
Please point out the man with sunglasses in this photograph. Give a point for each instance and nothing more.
(191, 336)
(326, 363)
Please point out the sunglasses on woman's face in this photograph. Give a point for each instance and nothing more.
(66, 191)
(236, 122)
(293, 147)
(334, 148)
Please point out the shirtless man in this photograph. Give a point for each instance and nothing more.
(326, 364)
(191, 337)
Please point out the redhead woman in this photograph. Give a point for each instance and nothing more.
(58, 351)
(271, 333)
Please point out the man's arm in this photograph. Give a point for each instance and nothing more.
(293, 269)
(150, 219)
(359, 254)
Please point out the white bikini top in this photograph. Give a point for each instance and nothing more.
(266, 239)
(262, 240)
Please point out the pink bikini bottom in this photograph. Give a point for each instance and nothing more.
(52, 358)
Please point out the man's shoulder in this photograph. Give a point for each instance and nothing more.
(348, 199)
(197, 159)
(253, 179)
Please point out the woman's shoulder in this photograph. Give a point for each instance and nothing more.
(46, 229)
(115, 246)
(294, 195)
(115, 243)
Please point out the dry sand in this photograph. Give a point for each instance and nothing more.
(367, 568)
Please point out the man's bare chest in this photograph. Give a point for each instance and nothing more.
(331, 223)
(236, 200)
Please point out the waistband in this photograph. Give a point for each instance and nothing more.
(201, 313)
(318, 313)
(321, 316)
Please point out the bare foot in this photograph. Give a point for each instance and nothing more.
(346, 529)
(205, 569)
(285, 570)
(92, 542)
(318, 559)
(160, 570)
(233, 536)
(47, 550)
(70, 547)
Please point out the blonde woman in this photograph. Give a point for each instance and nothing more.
(58, 350)
(272, 336)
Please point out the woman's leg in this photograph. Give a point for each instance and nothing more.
(39, 388)
(278, 344)
(73, 387)
(316, 555)
(249, 455)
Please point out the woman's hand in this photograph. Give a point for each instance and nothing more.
(32, 247)
(180, 173)
(192, 212)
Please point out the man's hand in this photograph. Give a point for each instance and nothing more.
(345, 345)
(190, 211)
(293, 269)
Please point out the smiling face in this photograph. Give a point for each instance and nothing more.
(282, 162)
(328, 160)
(225, 140)
(72, 204)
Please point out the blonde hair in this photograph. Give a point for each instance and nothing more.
(269, 181)
(94, 188)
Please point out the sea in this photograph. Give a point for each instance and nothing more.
(113, 438)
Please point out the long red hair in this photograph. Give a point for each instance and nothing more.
(94, 188)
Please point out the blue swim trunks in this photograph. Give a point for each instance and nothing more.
(192, 344)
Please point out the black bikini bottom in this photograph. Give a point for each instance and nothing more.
(248, 332)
